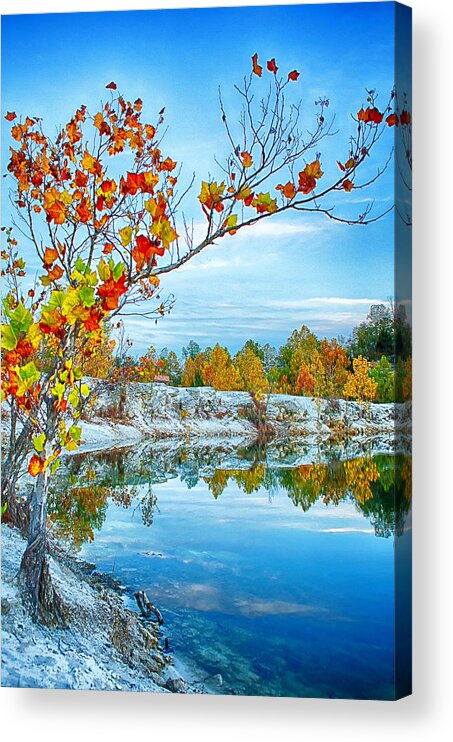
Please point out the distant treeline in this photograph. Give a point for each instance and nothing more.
(374, 364)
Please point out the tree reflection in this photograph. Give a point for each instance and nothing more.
(380, 486)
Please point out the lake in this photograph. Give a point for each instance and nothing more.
(273, 577)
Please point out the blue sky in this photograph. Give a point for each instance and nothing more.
(290, 270)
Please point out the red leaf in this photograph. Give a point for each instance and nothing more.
(293, 75)
(111, 86)
(393, 119)
(10, 116)
(257, 69)
(370, 116)
(271, 66)
(405, 118)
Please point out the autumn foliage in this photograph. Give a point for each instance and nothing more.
(97, 208)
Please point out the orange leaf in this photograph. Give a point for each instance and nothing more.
(168, 165)
(83, 212)
(50, 256)
(144, 250)
(313, 170)
(348, 185)
(246, 159)
(55, 274)
(293, 75)
(90, 163)
(271, 66)
(56, 212)
(110, 291)
(10, 116)
(257, 69)
(93, 321)
(306, 183)
(36, 465)
(288, 190)
(108, 247)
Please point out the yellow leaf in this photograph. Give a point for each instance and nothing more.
(126, 236)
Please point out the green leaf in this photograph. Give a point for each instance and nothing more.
(118, 271)
(29, 372)
(55, 466)
(75, 432)
(73, 397)
(91, 279)
(39, 441)
(80, 265)
(56, 300)
(21, 318)
(58, 390)
(9, 337)
(85, 390)
(87, 296)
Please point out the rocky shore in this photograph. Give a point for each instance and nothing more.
(126, 413)
(105, 646)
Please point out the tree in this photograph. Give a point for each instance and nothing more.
(99, 233)
(376, 336)
(220, 372)
(297, 350)
(329, 369)
(359, 384)
(172, 366)
(192, 370)
(148, 366)
(383, 374)
(251, 371)
(191, 350)
(305, 382)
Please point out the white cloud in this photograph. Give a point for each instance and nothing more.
(322, 300)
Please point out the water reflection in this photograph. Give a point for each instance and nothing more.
(263, 561)
(379, 485)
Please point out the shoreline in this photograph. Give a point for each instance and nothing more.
(106, 645)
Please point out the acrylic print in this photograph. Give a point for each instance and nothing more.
(206, 351)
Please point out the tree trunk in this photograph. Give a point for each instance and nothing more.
(18, 450)
(38, 591)
(17, 512)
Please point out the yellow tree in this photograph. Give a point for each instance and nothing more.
(359, 384)
(192, 370)
(251, 372)
(219, 371)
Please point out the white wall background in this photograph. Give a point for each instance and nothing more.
(52, 715)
